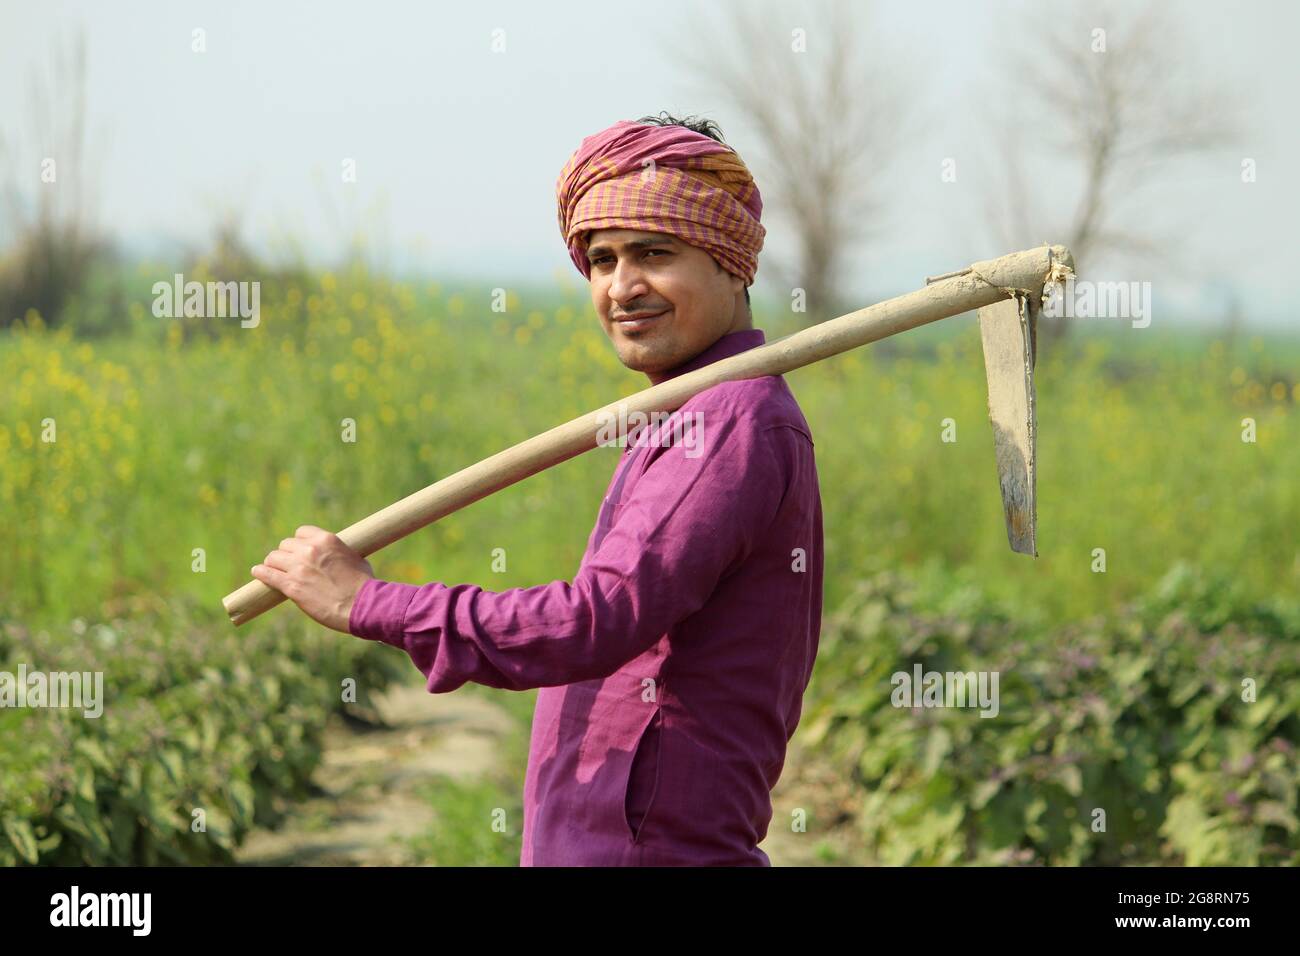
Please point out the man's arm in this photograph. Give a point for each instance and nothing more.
(687, 520)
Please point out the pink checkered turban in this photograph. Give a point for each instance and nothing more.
(697, 189)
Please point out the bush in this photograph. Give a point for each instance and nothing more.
(1144, 714)
(195, 716)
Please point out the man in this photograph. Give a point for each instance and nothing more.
(672, 669)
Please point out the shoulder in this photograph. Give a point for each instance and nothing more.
(756, 404)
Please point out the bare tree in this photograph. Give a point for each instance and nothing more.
(48, 196)
(825, 108)
(1110, 102)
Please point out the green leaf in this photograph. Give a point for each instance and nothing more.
(241, 802)
(171, 762)
(91, 749)
(1071, 779)
(1271, 811)
(21, 836)
(937, 747)
(984, 792)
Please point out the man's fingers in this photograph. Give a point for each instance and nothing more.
(279, 560)
(310, 531)
(270, 577)
(300, 548)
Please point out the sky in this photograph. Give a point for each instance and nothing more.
(457, 146)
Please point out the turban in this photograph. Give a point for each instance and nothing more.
(662, 179)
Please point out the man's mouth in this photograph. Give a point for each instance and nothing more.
(640, 320)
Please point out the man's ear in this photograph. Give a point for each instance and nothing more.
(737, 283)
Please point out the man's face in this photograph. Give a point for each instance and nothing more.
(688, 301)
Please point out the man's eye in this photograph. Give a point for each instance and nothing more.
(601, 260)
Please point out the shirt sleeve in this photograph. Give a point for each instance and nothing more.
(694, 514)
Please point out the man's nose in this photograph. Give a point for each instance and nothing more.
(628, 283)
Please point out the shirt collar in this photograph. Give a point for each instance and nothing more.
(733, 343)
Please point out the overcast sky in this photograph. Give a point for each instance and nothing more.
(457, 148)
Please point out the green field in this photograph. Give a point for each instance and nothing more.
(174, 436)
(228, 443)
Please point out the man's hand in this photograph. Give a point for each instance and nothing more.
(319, 573)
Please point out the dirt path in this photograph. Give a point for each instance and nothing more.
(368, 782)
(368, 805)
(809, 785)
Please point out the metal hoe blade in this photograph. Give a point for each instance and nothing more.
(1008, 330)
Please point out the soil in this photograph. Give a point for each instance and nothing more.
(367, 803)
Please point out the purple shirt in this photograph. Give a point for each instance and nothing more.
(672, 669)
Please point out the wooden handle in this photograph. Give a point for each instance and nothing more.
(982, 284)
